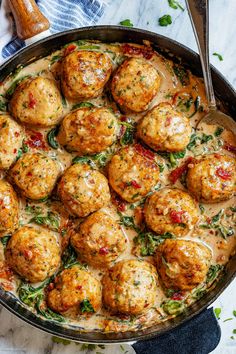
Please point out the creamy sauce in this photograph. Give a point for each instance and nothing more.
(172, 91)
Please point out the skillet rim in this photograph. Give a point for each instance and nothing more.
(14, 305)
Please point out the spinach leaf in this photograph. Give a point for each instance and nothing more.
(14, 85)
(173, 307)
(182, 74)
(86, 306)
(82, 105)
(5, 240)
(149, 241)
(51, 135)
(51, 219)
(213, 272)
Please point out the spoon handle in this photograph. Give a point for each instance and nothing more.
(199, 14)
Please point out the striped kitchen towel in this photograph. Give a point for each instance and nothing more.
(62, 15)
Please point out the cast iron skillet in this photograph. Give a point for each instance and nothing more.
(223, 91)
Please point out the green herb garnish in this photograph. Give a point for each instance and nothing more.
(51, 135)
(217, 311)
(213, 272)
(82, 105)
(165, 20)
(148, 241)
(182, 74)
(51, 219)
(173, 307)
(175, 5)
(86, 306)
(126, 23)
(218, 131)
(219, 56)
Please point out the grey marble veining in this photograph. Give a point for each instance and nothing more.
(17, 337)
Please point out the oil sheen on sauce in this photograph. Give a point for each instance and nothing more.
(186, 98)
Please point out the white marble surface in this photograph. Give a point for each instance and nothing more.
(16, 337)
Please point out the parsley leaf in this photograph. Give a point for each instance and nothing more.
(165, 20)
(175, 5)
(219, 56)
(126, 23)
(217, 311)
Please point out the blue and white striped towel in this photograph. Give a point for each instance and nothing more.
(62, 15)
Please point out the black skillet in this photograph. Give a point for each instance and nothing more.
(227, 95)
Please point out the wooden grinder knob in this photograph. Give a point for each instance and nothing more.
(28, 18)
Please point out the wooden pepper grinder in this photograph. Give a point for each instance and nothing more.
(30, 21)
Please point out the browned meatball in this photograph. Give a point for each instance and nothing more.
(171, 210)
(85, 73)
(212, 178)
(11, 137)
(88, 130)
(36, 175)
(76, 292)
(130, 287)
(182, 264)
(9, 208)
(33, 253)
(132, 173)
(37, 101)
(165, 129)
(83, 190)
(135, 84)
(99, 240)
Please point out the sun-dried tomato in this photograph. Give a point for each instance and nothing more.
(32, 101)
(179, 171)
(146, 52)
(177, 216)
(104, 251)
(69, 49)
(144, 152)
(223, 174)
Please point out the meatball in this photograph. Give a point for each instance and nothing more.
(171, 210)
(11, 137)
(83, 190)
(9, 209)
(76, 292)
(182, 264)
(84, 74)
(88, 131)
(135, 84)
(36, 175)
(132, 173)
(212, 178)
(130, 287)
(165, 129)
(37, 101)
(99, 240)
(33, 253)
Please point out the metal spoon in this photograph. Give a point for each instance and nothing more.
(199, 14)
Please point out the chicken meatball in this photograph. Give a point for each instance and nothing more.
(99, 240)
(130, 287)
(171, 210)
(165, 129)
(9, 209)
(37, 101)
(83, 190)
(182, 264)
(135, 84)
(33, 253)
(88, 130)
(11, 137)
(212, 178)
(84, 74)
(35, 175)
(75, 292)
(132, 172)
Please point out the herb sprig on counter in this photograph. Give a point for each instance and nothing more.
(165, 20)
(175, 5)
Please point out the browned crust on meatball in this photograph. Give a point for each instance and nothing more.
(130, 287)
(135, 84)
(71, 287)
(212, 178)
(84, 74)
(165, 129)
(88, 131)
(9, 208)
(83, 190)
(132, 175)
(182, 264)
(34, 254)
(99, 240)
(171, 210)
(37, 101)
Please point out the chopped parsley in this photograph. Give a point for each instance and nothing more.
(217, 311)
(165, 20)
(175, 5)
(219, 56)
(126, 23)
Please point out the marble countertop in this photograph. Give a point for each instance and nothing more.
(17, 337)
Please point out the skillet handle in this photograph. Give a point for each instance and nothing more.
(28, 18)
(199, 335)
